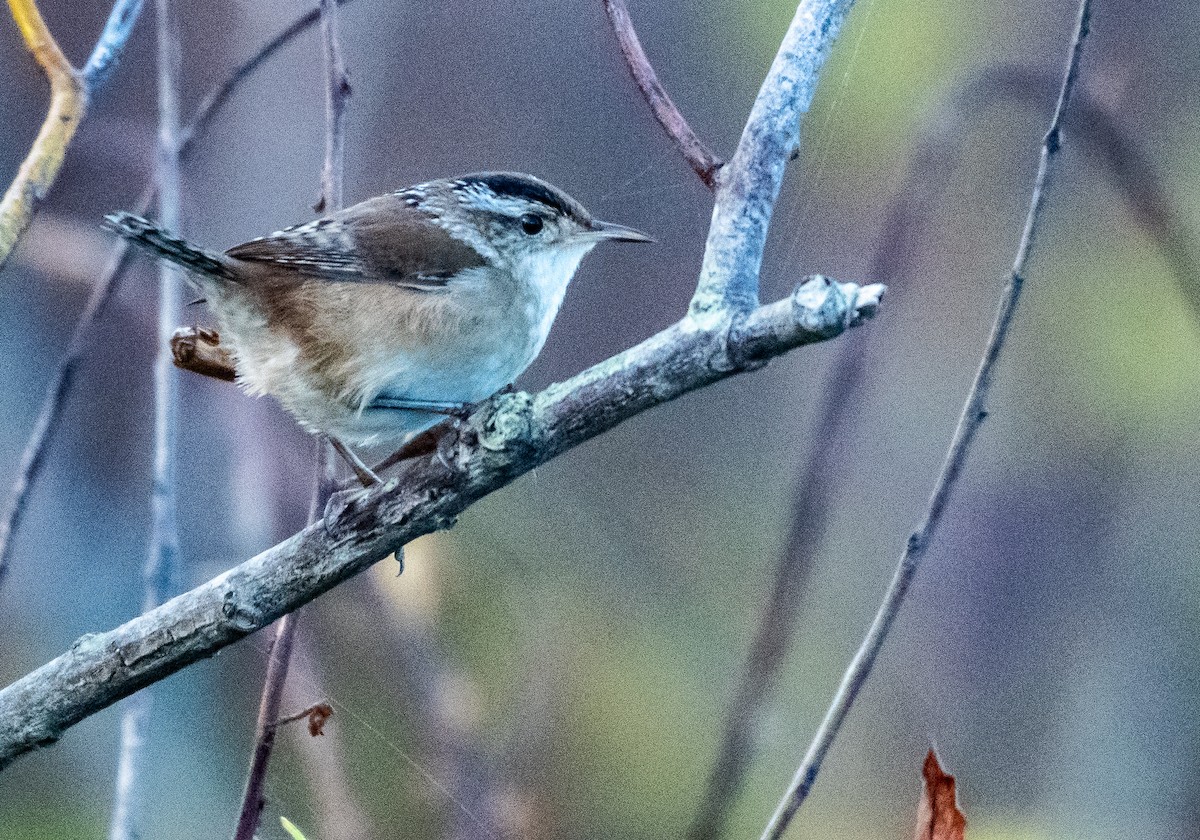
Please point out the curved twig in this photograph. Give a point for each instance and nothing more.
(70, 91)
(1100, 130)
(68, 103)
(973, 414)
(162, 552)
(268, 724)
(705, 163)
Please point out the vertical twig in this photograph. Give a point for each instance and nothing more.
(163, 550)
(705, 163)
(974, 412)
(337, 90)
(268, 717)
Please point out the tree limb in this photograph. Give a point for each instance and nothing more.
(504, 438)
(973, 414)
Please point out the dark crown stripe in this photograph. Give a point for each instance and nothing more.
(523, 187)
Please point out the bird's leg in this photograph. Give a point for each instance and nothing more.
(459, 410)
(367, 478)
(365, 474)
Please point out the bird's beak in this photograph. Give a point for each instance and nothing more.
(617, 233)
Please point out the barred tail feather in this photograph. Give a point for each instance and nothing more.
(146, 234)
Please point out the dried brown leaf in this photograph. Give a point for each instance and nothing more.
(938, 817)
(316, 715)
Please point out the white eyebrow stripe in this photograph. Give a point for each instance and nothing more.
(481, 197)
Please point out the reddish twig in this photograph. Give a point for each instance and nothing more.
(337, 91)
(705, 163)
(268, 717)
(973, 414)
(1098, 128)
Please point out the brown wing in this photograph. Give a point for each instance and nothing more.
(381, 240)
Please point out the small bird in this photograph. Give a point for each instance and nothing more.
(371, 323)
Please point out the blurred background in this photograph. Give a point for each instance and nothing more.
(559, 664)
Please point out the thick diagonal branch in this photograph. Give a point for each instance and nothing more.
(504, 438)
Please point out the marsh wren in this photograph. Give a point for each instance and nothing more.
(371, 323)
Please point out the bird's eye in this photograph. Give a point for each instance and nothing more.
(531, 223)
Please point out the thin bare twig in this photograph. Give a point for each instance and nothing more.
(905, 217)
(1097, 127)
(776, 626)
(974, 412)
(268, 724)
(33, 456)
(337, 90)
(216, 98)
(68, 103)
(705, 163)
(69, 94)
(162, 555)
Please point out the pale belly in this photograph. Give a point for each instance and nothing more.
(331, 391)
